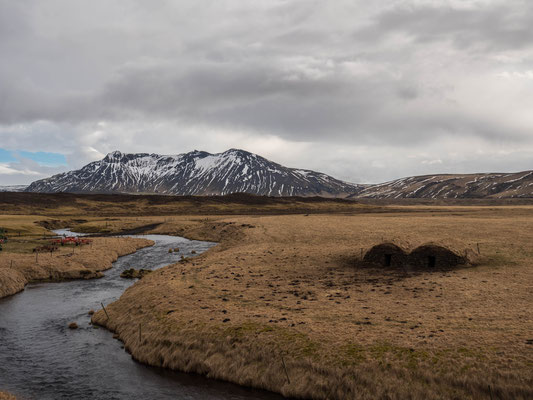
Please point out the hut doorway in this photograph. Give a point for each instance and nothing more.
(433, 256)
(385, 255)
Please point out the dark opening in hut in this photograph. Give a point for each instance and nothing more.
(435, 256)
(386, 255)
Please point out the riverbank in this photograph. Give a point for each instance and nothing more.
(282, 304)
(17, 269)
(7, 396)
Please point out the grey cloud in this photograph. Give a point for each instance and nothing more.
(265, 98)
(13, 21)
(25, 171)
(485, 27)
(408, 92)
(411, 74)
(262, 99)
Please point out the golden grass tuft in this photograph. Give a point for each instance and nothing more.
(11, 281)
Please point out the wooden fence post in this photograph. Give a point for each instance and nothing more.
(285, 368)
(105, 310)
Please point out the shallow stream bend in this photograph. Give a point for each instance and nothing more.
(40, 358)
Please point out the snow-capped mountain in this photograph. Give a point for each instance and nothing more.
(194, 173)
(460, 186)
(233, 171)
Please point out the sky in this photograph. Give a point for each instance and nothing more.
(366, 91)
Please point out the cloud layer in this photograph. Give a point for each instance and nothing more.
(366, 91)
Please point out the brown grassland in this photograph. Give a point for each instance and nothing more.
(283, 302)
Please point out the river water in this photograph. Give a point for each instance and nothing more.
(40, 358)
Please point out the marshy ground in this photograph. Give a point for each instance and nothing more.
(284, 304)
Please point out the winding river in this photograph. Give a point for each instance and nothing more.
(40, 358)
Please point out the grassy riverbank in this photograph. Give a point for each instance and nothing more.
(19, 265)
(283, 304)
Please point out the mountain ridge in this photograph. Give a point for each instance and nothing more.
(194, 173)
(237, 171)
(453, 186)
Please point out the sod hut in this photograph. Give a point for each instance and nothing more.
(432, 256)
(386, 255)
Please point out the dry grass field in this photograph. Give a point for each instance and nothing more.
(284, 302)
(68, 205)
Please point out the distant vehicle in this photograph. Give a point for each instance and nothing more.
(76, 241)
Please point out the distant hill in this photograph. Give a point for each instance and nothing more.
(13, 188)
(194, 173)
(464, 186)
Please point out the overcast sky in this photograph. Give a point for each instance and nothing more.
(366, 91)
